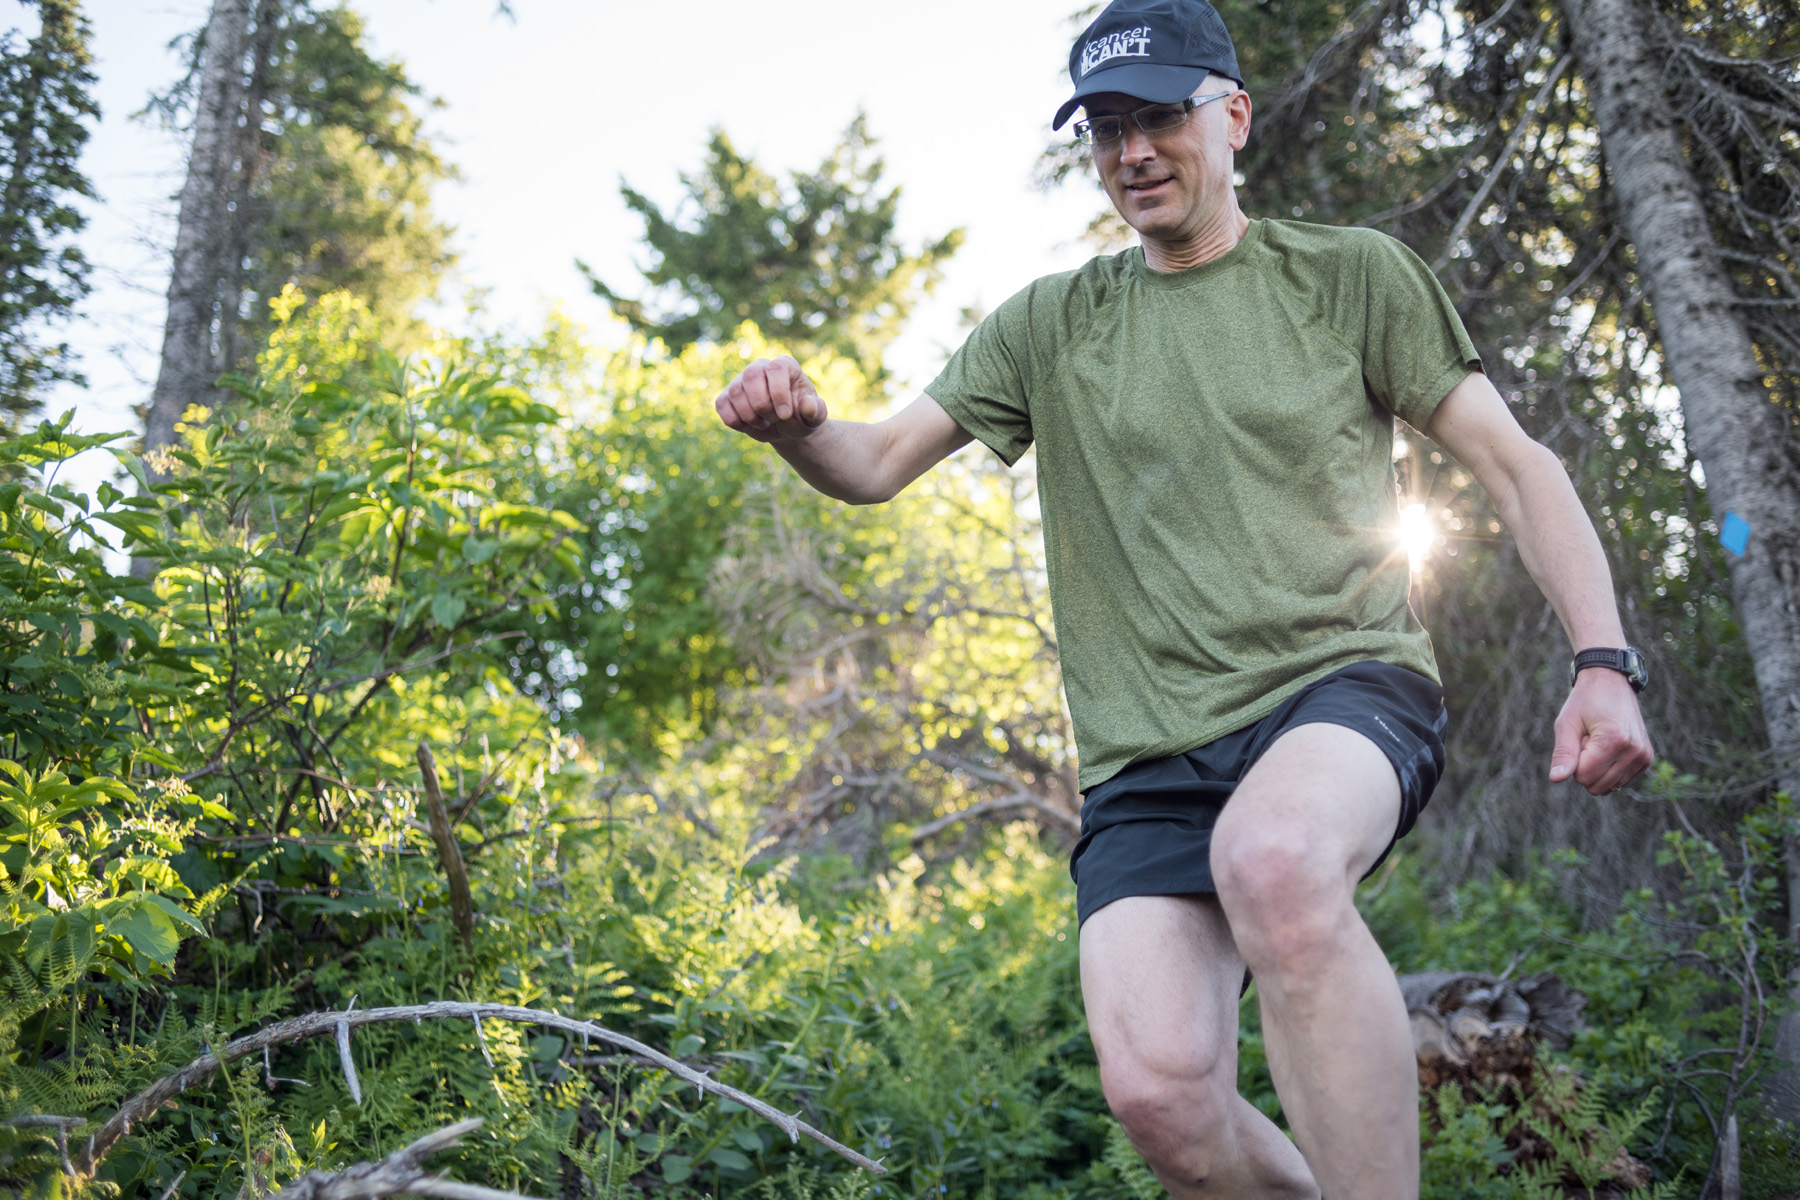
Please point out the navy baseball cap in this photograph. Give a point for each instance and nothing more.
(1156, 50)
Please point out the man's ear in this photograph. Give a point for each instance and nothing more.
(1237, 119)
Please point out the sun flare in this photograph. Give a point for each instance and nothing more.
(1418, 533)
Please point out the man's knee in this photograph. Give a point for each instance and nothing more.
(1287, 898)
(1177, 1114)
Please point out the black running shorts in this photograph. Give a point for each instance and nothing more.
(1147, 831)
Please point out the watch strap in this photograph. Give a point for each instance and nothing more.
(1627, 662)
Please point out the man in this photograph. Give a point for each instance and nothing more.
(1213, 415)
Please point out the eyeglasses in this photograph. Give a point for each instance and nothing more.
(1154, 118)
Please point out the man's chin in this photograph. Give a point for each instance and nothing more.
(1154, 223)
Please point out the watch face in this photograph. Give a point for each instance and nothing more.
(1635, 669)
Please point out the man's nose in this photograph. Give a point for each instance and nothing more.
(1136, 147)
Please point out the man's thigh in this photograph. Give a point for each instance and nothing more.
(1160, 977)
(1323, 797)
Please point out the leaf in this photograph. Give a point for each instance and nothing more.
(149, 930)
(447, 610)
(114, 623)
(676, 1168)
(730, 1159)
(152, 875)
(175, 912)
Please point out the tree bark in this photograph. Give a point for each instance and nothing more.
(203, 234)
(1741, 438)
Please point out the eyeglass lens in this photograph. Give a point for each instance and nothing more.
(1158, 119)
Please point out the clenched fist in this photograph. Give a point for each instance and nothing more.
(772, 401)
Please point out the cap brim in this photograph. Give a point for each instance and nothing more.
(1153, 83)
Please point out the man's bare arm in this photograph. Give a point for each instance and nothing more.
(1600, 736)
(773, 401)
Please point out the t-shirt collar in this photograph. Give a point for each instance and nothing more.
(1176, 280)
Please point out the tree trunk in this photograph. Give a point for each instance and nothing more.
(190, 364)
(250, 160)
(1741, 437)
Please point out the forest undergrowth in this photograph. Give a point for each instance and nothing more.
(212, 820)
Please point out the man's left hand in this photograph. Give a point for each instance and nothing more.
(1600, 736)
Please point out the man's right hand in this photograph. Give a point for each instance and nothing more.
(772, 401)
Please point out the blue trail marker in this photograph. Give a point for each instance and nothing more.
(1734, 534)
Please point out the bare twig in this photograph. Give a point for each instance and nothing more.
(270, 1078)
(1019, 796)
(1526, 120)
(345, 1061)
(462, 907)
(146, 1103)
(988, 808)
(62, 1125)
(481, 1040)
(401, 1173)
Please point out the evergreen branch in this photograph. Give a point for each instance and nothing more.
(147, 1102)
(401, 1173)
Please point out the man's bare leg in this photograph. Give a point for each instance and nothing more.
(1302, 827)
(1160, 978)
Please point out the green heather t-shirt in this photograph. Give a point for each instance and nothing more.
(1214, 460)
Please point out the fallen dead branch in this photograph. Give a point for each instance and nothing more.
(339, 1024)
(401, 1173)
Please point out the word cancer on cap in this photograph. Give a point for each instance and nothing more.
(1125, 43)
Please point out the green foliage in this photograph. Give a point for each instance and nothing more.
(813, 264)
(635, 651)
(45, 108)
(73, 636)
(1680, 992)
(331, 571)
(64, 913)
(346, 571)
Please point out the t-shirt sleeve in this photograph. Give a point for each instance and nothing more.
(985, 384)
(1415, 348)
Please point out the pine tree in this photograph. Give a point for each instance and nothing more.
(814, 263)
(45, 109)
(309, 167)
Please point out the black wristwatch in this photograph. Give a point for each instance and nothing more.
(1627, 662)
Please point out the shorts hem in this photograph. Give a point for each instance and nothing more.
(1163, 886)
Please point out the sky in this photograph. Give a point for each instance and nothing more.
(545, 112)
